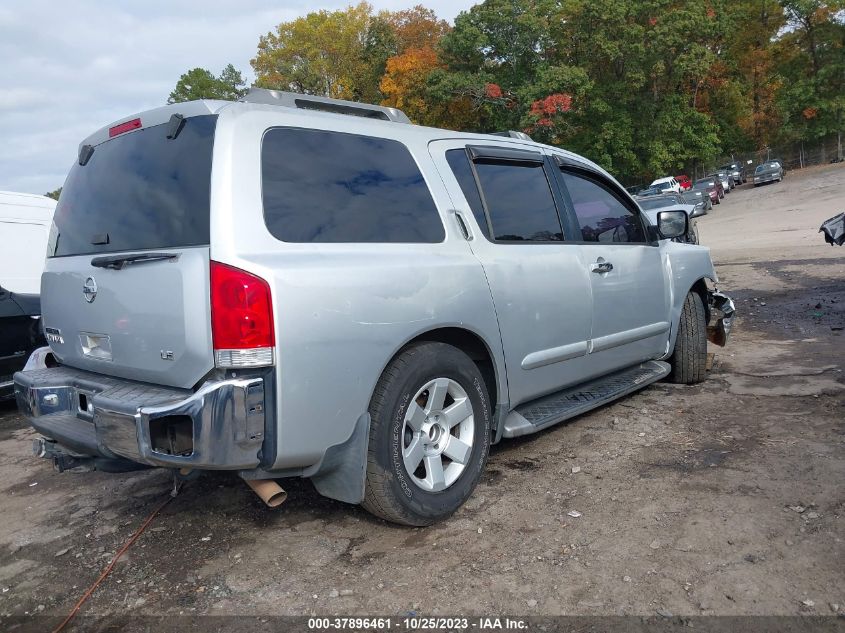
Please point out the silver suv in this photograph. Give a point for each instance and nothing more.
(290, 286)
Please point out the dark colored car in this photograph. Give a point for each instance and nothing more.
(721, 182)
(700, 199)
(713, 186)
(20, 335)
(650, 191)
(736, 170)
(770, 171)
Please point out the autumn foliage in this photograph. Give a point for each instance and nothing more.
(639, 87)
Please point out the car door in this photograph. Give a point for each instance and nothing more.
(539, 284)
(630, 294)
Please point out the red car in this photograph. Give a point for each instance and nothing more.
(684, 181)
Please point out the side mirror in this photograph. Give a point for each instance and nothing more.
(672, 224)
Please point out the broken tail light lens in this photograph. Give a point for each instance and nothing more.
(241, 318)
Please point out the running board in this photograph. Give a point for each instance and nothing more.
(562, 405)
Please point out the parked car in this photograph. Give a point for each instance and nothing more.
(727, 181)
(24, 226)
(736, 171)
(771, 171)
(684, 181)
(724, 183)
(667, 184)
(713, 186)
(699, 199)
(20, 335)
(372, 306)
(653, 205)
(650, 191)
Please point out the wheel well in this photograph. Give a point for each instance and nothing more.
(473, 346)
(700, 287)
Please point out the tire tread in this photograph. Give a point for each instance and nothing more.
(689, 360)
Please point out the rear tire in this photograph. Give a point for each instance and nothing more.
(420, 485)
(689, 360)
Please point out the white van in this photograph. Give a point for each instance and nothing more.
(25, 220)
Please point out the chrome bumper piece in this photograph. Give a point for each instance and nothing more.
(94, 414)
(722, 310)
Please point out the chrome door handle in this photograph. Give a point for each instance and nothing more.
(601, 267)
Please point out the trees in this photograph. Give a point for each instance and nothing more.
(326, 53)
(199, 83)
(811, 51)
(643, 87)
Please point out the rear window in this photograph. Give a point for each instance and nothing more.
(139, 191)
(322, 186)
(654, 203)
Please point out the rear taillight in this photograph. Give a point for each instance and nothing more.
(241, 318)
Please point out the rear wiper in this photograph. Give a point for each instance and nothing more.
(118, 262)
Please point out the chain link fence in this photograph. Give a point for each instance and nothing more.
(792, 156)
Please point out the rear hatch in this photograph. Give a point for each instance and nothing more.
(126, 286)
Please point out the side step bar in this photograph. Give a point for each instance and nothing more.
(562, 405)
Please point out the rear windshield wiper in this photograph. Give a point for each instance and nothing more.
(118, 262)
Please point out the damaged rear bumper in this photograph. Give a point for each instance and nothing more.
(220, 426)
(721, 310)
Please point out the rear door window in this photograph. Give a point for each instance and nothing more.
(603, 216)
(324, 186)
(461, 167)
(519, 201)
(139, 191)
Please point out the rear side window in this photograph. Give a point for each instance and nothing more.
(519, 201)
(139, 191)
(321, 186)
(603, 217)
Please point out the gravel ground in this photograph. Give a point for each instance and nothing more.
(722, 498)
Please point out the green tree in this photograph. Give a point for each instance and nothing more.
(324, 53)
(811, 55)
(54, 194)
(612, 79)
(199, 83)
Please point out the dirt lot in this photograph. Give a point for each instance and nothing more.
(723, 498)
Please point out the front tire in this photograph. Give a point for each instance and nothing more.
(430, 434)
(689, 360)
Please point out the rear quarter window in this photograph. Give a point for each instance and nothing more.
(325, 186)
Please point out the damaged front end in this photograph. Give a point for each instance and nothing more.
(721, 310)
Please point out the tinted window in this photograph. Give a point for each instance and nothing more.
(333, 187)
(602, 216)
(459, 162)
(519, 202)
(139, 191)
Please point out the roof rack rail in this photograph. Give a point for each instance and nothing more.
(323, 104)
(513, 134)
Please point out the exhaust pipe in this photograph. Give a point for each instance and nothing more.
(270, 492)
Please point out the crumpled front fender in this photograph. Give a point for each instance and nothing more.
(722, 311)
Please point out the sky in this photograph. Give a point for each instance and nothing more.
(69, 68)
